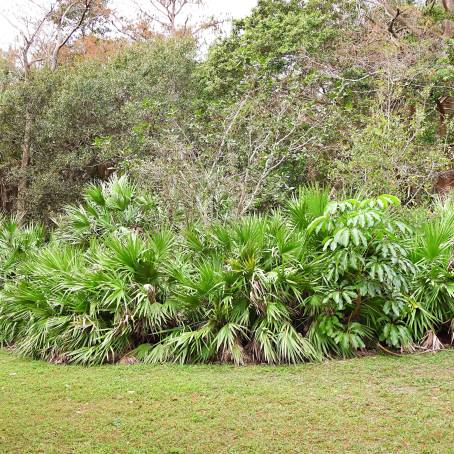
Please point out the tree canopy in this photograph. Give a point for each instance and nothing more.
(356, 96)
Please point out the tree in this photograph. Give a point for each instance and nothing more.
(47, 26)
(168, 13)
(130, 111)
(68, 17)
(169, 17)
(43, 34)
(30, 31)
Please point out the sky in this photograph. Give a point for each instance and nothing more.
(223, 8)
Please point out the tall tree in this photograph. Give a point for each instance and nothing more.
(30, 31)
(43, 33)
(170, 17)
(168, 13)
(68, 17)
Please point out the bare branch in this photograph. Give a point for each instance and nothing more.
(76, 27)
(169, 15)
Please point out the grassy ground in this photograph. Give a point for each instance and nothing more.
(374, 404)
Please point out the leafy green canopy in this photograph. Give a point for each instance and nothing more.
(266, 43)
(299, 92)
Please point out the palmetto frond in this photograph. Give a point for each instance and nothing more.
(316, 279)
(435, 239)
(309, 204)
(110, 207)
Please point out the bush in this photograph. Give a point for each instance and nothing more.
(315, 279)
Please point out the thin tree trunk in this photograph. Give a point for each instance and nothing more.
(25, 163)
(355, 313)
(447, 24)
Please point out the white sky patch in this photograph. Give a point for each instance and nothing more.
(127, 8)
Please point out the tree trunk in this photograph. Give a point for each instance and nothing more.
(355, 313)
(53, 61)
(25, 162)
(448, 5)
(447, 24)
(445, 107)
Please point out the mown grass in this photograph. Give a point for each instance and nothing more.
(373, 404)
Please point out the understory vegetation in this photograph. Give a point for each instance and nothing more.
(315, 279)
(278, 196)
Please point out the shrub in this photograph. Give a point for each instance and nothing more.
(364, 276)
(96, 289)
(316, 279)
(433, 284)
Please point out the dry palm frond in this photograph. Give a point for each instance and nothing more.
(256, 296)
(58, 358)
(410, 348)
(431, 342)
(128, 360)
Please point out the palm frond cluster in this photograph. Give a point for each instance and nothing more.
(316, 279)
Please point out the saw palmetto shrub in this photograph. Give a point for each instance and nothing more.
(16, 242)
(318, 278)
(433, 285)
(97, 288)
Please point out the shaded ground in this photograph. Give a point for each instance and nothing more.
(365, 405)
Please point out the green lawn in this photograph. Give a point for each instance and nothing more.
(373, 404)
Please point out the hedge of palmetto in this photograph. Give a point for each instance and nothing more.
(318, 278)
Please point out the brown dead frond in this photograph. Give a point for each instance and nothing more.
(58, 358)
(128, 360)
(431, 342)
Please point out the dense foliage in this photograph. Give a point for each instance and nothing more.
(226, 260)
(350, 94)
(317, 278)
